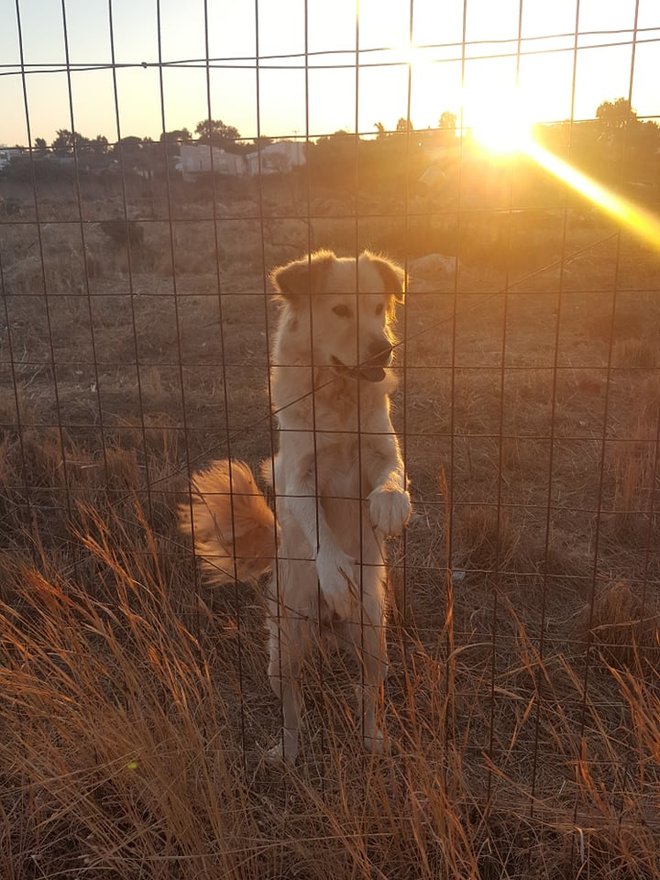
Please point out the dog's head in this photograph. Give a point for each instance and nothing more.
(345, 307)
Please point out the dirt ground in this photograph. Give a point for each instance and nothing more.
(526, 587)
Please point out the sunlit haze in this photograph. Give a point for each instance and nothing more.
(422, 64)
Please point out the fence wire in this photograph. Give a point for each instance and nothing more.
(526, 585)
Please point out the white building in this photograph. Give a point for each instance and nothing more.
(197, 159)
(276, 158)
(9, 153)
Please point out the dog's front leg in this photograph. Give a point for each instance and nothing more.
(297, 496)
(371, 652)
(335, 569)
(389, 501)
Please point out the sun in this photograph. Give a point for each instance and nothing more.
(514, 136)
(501, 121)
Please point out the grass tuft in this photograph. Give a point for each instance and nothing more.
(624, 626)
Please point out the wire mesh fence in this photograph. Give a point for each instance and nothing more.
(521, 706)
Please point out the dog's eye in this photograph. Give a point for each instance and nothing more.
(342, 311)
(379, 309)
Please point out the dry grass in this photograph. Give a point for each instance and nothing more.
(487, 539)
(636, 353)
(129, 746)
(624, 626)
(135, 707)
(635, 469)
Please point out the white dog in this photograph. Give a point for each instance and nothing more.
(338, 480)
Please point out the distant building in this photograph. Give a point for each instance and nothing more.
(276, 158)
(279, 157)
(195, 159)
(9, 153)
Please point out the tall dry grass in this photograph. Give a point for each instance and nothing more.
(132, 741)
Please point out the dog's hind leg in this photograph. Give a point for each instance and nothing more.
(287, 687)
(288, 646)
(372, 654)
(370, 691)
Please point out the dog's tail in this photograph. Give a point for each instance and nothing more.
(232, 525)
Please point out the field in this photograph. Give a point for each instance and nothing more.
(522, 705)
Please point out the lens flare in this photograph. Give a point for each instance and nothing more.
(639, 221)
(504, 126)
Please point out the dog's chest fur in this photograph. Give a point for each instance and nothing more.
(328, 403)
(343, 417)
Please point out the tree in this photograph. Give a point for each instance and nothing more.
(129, 144)
(41, 146)
(447, 134)
(63, 143)
(333, 160)
(99, 145)
(404, 125)
(215, 132)
(615, 116)
(447, 121)
(630, 143)
(647, 136)
(382, 131)
(173, 140)
(138, 154)
(262, 141)
(67, 141)
(176, 136)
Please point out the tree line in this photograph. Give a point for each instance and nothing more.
(613, 140)
(613, 118)
(208, 131)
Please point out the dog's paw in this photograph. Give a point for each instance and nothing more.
(338, 581)
(389, 510)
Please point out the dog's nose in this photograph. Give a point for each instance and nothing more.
(379, 352)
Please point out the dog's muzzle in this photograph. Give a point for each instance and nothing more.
(372, 370)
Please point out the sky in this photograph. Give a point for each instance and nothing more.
(283, 96)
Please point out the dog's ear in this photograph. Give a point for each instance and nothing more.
(296, 281)
(393, 276)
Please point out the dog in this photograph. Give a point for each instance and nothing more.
(338, 481)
